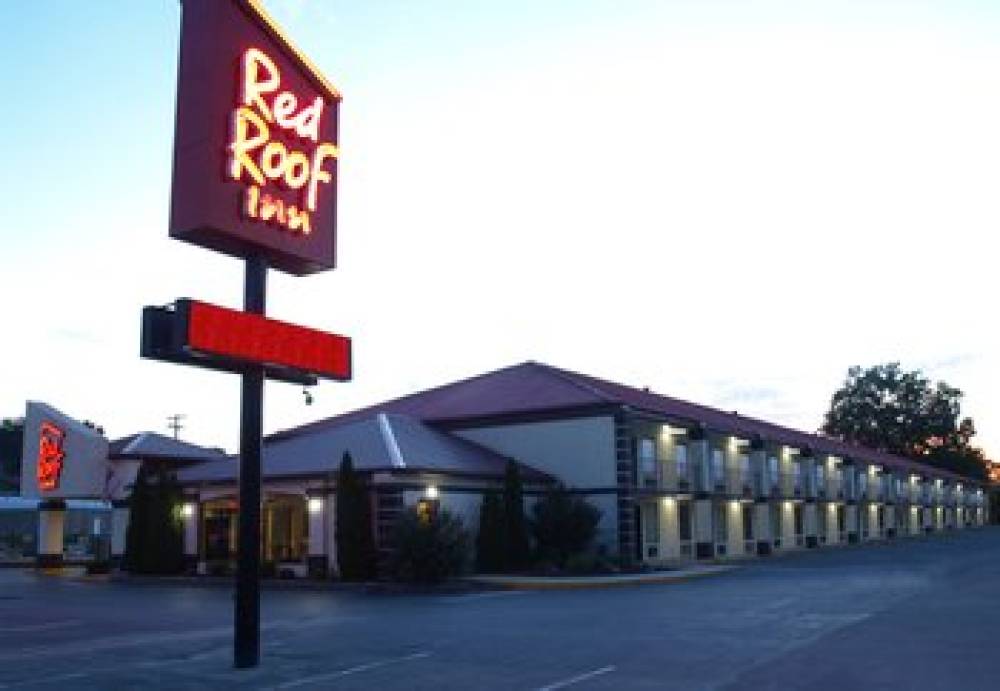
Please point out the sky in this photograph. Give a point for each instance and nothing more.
(727, 202)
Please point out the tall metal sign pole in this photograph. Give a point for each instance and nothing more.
(255, 177)
(247, 616)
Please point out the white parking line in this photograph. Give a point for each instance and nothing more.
(349, 671)
(578, 678)
(39, 627)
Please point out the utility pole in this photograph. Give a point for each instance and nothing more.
(174, 423)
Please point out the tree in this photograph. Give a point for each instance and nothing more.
(889, 409)
(564, 525)
(428, 549)
(154, 541)
(516, 541)
(354, 531)
(491, 540)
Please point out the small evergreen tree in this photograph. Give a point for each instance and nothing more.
(354, 531)
(516, 527)
(564, 525)
(154, 541)
(491, 546)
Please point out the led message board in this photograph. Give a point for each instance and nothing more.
(204, 335)
(255, 142)
(249, 337)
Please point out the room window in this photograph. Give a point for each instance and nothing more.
(684, 520)
(647, 462)
(747, 522)
(721, 525)
(681, 459)
(772, 467)
(718, 467)
(651, 523)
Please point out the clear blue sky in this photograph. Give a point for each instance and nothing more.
(731, 202)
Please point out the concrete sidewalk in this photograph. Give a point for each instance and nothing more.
(512, 582)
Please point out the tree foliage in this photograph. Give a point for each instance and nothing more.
(564, 525)
(354, 531)
(491, 540)
(154, 540)
(902, 412)
(428, 549)
(517, 548)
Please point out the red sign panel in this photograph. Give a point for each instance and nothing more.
(247, 337)
(255, 145)
(50, 456)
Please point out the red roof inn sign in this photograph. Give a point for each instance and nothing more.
(255, 177)
(255, 153)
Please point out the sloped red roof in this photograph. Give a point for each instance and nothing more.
(533, 387)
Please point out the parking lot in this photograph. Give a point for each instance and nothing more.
(901, 616)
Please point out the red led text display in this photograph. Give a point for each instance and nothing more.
(255, 144)
(247, 337)
(50, 456)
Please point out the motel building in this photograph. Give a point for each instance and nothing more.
(674, 481)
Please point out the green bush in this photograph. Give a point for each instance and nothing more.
(564, 525)
(428, 549)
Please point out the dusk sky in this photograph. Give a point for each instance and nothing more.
(728, 202)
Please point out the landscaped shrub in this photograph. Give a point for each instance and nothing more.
(564, 525)
(356, 556)
(429, 548)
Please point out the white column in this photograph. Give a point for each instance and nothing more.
(51, 519)
(830, 516)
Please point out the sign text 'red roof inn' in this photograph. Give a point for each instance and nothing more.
(255, 151)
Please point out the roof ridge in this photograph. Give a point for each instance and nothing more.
(570, 377)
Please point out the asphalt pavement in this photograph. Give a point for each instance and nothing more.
(911, 615)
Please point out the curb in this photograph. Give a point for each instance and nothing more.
(594, 582)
